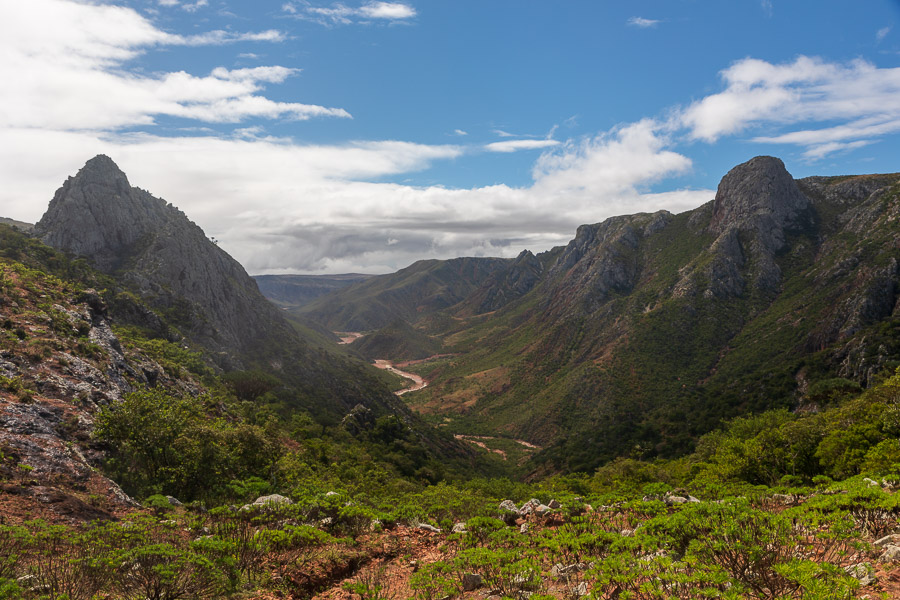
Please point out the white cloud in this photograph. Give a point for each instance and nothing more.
(194, 7)
(168, 2)
(822, 150)
(768, 7)
(516, 145)
(642, 22)
(218, 37)
(387, 10)
(882, 33)
(460, 132)
(843, 102)
(280, 206)
(64, 77)
(341, 14)
(615, 164)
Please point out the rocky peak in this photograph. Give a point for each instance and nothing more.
(756, 204)
(508, 284)
(97, 214)
(159, 252)
(101, 170)
(758, 188)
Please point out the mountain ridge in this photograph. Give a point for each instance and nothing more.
(647, 330)
(154, 251)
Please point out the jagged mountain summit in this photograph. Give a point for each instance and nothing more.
(647, 330)
(154, 250)
(153, 246)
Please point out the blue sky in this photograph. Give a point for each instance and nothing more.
(314, 136)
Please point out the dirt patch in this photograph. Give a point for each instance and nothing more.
(476, 441)
(348, 337)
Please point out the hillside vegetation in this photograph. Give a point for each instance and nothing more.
(135, 463)
(646, 331)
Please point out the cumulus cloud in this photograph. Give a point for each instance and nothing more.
(615, 163)
(279, 206)
(45, 60)
(341, 14)
(643, 23)
(863, 99)
(516, 145)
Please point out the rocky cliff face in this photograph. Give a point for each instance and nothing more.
(506, 285)
(157, 250)
(757, 205)
(758, 195)
(59, 362)
(648, 329)
(602, 260)
(153, 250)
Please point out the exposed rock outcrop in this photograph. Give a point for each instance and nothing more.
(757, 205)
(509, 284)
(602, 260)
(167, 258)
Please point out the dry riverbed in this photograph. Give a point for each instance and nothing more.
(418, 382)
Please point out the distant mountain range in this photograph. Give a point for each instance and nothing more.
(293, 291)
(647, 330)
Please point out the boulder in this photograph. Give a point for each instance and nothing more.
(471, 582)
(541, 510)
(892, 539)
(891, 554)
(672, 499)
(273, 500)
(862, 572)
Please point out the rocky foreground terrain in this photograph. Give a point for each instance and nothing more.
(60, 361)
(139, 461)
